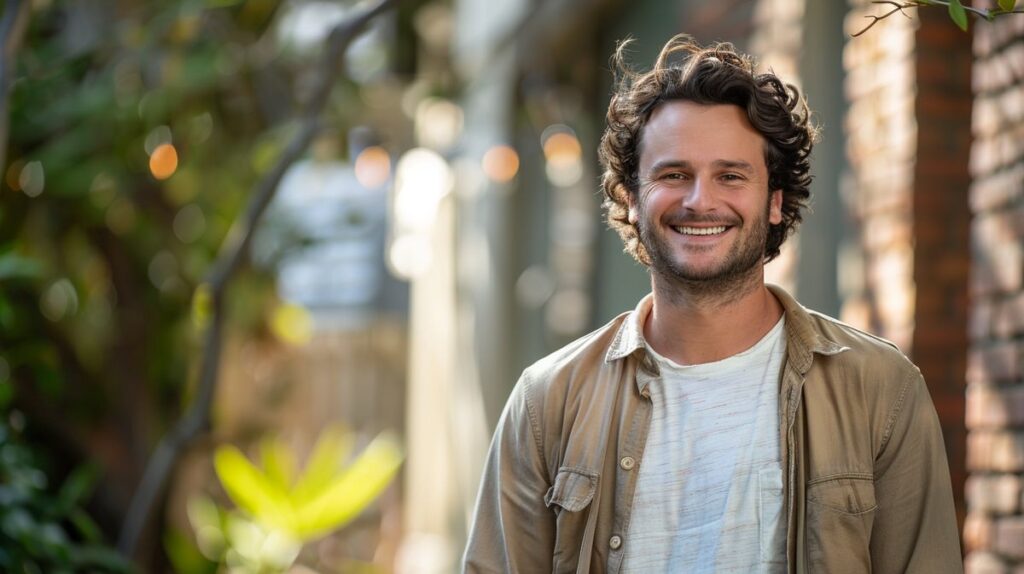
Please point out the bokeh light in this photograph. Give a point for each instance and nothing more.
(564, 155)
(189, 223)
(59, 300)
(163, 270)
(120, 216)
(373, 167)
(164, 161)
(438, 123)
(292, 324)
(32, 178)
(423, 178)
(501, 163)
(13, 174)
(409, 256)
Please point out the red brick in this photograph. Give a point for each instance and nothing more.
(995, 451)
(998, 362)
(992, 407)
(994, 493)
(1009, 537)
(979, 532)
(997, 269)
(991, 190)
(981, 319)
(1009, 320)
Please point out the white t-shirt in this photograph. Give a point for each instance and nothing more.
(709, 493)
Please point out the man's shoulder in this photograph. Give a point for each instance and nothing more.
(577, 361)
(865, 352)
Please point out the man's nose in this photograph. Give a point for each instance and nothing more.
(700, 195)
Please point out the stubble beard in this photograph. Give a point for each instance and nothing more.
(738, 274)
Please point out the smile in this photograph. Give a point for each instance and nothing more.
(700, 230)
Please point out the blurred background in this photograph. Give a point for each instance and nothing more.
(263, 293)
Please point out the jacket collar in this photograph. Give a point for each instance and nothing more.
(803, 339)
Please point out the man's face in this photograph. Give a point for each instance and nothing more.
(704, 207)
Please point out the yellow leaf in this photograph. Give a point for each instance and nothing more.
(252, 490)
(352, 492)
(324, 464)
(202, 302)
(292, 324)
(278, 462)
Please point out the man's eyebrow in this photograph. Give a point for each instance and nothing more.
(669, 164)
(736, 164)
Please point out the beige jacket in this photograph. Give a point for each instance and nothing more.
(867, 486)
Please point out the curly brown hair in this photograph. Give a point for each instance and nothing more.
(713, 75)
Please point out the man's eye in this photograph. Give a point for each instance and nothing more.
(673, 176)
(732, 177)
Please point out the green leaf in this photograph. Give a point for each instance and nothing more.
(77, 487)
(1007, 5)
(352, 492)
(278, 462)
(252, 490)
(332, 448)
(958, 14)
(85, 526)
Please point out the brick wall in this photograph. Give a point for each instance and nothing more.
(994, 530)
(881, 136)
(909, 139)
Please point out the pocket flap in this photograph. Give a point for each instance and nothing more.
(846, 494)
(573, 489)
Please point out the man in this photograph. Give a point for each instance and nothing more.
(720, 426)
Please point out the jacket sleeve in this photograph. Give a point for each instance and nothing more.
(513, 531)
(915, 528)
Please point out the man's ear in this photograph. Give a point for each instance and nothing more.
(775, 207)
(632, 214)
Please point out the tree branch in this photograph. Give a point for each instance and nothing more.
(902, 6)
(232, 253)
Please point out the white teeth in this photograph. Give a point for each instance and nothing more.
(700, 230)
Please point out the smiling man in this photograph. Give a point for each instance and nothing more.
(719, 426)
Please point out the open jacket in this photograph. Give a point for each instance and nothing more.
(866, 486)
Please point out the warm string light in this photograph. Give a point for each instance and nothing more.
(163, 162)
(501, 163)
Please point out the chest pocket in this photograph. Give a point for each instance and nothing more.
(840, 513)
(571, 498)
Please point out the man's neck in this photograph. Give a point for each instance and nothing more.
(697, 329)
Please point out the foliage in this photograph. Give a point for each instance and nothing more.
(957, 11)
(279, 509)
(47, 531)
(106, 236)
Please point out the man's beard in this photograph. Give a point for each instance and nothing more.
(729, 278)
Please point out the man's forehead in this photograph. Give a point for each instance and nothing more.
(685, 131)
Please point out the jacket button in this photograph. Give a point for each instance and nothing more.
(615, 542)
(627, 463)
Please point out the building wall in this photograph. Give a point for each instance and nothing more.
(909, 140)
(994, 530)
(881, 136)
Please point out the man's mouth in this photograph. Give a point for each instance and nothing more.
(684, 230)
